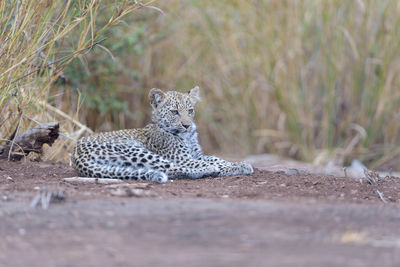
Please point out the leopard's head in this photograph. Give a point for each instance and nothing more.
(174, 111)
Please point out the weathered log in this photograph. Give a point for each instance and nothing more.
(31, 140)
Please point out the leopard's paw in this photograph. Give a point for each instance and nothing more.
(246, 168)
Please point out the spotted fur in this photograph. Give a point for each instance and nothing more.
(166, 148)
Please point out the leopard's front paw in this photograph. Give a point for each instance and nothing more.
(246, 168)
(206, 171)
(159, 177)
(212, 171)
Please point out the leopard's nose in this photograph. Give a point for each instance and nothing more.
(186, 125)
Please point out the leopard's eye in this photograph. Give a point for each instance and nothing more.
(190, 111)
(174, 111)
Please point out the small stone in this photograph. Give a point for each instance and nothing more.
(292, 171)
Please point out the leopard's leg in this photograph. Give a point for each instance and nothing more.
(226, 168)
(129, 173)
(229, 168)
(98, 169)
(194, 167)
(191, 169)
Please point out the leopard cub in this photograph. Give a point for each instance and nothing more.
(166, 148)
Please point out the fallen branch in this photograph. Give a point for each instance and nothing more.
(31, 140)
(90, 180)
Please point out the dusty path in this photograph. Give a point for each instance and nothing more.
(198, 232)
(269, 219)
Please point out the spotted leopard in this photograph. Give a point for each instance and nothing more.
(168, 147)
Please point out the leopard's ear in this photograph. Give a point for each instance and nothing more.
(194, 94)
(156, 96)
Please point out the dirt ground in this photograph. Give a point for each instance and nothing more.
(266, 219)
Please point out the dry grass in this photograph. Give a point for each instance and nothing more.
(38, 39)
(314, 80)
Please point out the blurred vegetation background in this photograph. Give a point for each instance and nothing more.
(314, 80)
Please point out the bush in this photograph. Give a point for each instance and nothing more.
(38, 40)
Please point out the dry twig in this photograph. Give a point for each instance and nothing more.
(91, 180)
(45, 197)
(381, 196)
(371, 177)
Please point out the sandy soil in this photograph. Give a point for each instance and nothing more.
(266, 219)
